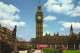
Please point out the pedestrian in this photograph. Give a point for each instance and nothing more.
(41, 51)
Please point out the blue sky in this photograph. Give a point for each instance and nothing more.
(58, 16)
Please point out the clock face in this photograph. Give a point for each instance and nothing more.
(39, 17)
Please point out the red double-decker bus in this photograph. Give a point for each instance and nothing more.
(42, 46)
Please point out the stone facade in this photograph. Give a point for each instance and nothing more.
(5, 34)
(71, 41)
(9, 37)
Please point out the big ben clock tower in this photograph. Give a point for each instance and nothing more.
(39, 23)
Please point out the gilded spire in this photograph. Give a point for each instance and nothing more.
(39, 3)
(39, 6)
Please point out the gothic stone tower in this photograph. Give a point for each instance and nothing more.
(39, 24)
(71, 31)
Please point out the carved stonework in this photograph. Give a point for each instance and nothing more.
(14, 41)
(56, 39)
(39, 22)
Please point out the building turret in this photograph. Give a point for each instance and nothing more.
(49, 34)
(0, 24)
(71, 31)
(78, 36)
(46, 33)
(57, 33)
(54, 33)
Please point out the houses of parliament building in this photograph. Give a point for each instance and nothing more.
(71, 41)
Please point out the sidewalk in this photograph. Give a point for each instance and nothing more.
(25, 51)
(37, 51)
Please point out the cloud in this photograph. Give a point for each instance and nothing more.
(45, 25)
(46, 32)
(79, 2)
(8, 11)
(62, 7)
(61, 21)
(75, 12)
(65, 24)
(75, 25)
(21, 36)
(12, 23)
(49, 18)
(9, 15)
(62, 29)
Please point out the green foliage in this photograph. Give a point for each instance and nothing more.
(71, 51)
(50, 50)
(56, 51)
(21, 45)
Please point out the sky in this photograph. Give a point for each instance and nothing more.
(58, 16)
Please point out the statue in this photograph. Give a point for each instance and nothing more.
(14, 41)
(14, 32)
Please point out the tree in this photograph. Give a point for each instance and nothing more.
(32, 42)
(48, 50)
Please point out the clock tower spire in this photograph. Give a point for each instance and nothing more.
(39, 22)
(39, 7)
